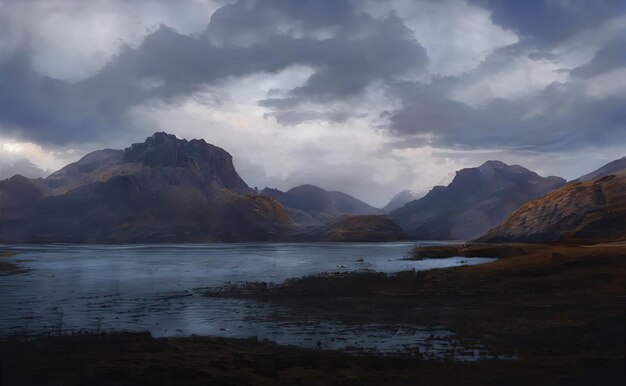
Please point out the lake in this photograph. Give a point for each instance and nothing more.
(160, 288)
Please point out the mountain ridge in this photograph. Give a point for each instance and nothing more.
(401, 199)
(589, 209)
(167, 189)
(475, 201)
(605, 170)
(319, 203)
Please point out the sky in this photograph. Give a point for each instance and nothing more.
(368, 97)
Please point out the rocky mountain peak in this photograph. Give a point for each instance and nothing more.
(163, 150)
(476, 200)
(493, 164)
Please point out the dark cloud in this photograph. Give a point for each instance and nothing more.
(353, 64)
(168, 65)
(547, 22)
(569, 119)
(245, 23)
(609, 57)
(348, 51)
(297, 116)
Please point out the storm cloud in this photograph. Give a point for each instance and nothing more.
(413, 79)
(169, 64)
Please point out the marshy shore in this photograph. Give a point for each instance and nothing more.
(559, 309)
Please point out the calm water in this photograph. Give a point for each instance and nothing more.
(159, 288)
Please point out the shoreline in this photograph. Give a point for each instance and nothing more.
(554, 305)
(558, 308)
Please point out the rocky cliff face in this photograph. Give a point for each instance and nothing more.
(475, 201)
(165, 189)
(589, 212)
(162, 159)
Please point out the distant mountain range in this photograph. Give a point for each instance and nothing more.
(173, 190)
(401, 199)
(310, 204)
(476, 200)
(169, 190)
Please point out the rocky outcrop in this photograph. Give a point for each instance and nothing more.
(365, 228)
(588, 212)
(476, 200)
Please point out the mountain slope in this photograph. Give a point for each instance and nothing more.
(608, 169)
(401, 199)
(319, 203)
(365, 228)
(165, 189)
(592, 211)
(475, 201)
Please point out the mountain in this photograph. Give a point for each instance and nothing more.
(476, 200)
(610, 168)
(315, 203)
(165, 189)
(586, 212)
(365, 228)
(401, 199)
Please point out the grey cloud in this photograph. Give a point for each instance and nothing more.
(568, 117)
(22, 166)
(352, 65)
(168, 65)
(611, 56)
(347, 51)
(244, 22)
(297, 116)
(547, 22)
(570, 120)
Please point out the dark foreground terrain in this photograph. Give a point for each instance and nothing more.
(559, 309)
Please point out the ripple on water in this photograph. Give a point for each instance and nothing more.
(152, 287)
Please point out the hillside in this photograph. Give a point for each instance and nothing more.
(163, 190)
(608, 169)
(588, 212)
(475, 201)
(365, 228)
(400, 200)
(320, 204)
